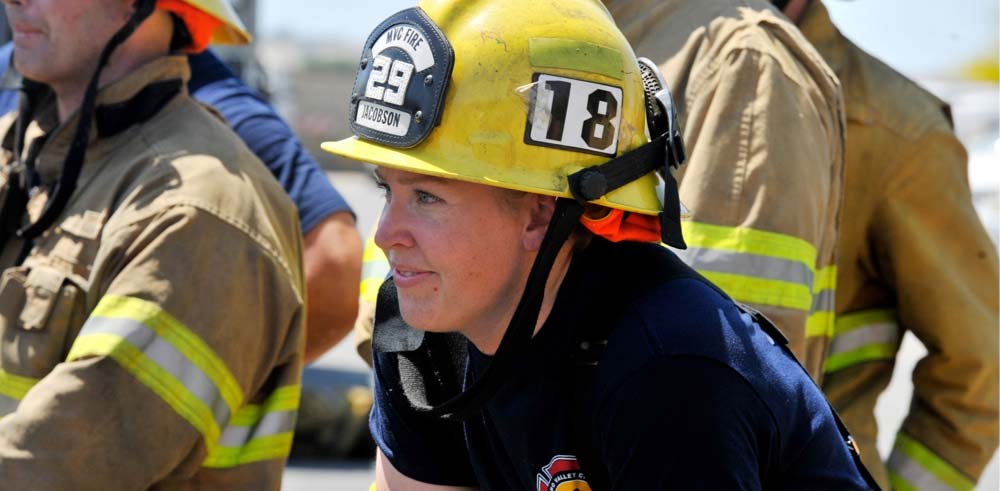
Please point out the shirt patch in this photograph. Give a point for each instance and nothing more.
(562, 474)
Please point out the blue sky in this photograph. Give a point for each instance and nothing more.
(918, 37)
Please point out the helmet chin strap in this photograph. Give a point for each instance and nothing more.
(73, 163)
(519, 332)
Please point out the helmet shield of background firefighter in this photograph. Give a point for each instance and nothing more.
(539, 90)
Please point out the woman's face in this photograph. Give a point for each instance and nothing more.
(459, 252)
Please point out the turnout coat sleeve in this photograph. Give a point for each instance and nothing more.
(944, 270)
(927, 267)
(940, 271)
(192, 326)
(764, 185)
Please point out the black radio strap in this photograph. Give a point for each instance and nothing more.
(109, 120)
(768, 327)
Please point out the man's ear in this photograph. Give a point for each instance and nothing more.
(540, 212)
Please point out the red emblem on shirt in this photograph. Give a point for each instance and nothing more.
(562, 474)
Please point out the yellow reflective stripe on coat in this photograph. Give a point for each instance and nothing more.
(258, 432)
(859, 337)
(12, 390)
(912, 466)
(764, 268)
(821, 320)
(165, 356)
(374, 269)
(753, 266)
(748, 289)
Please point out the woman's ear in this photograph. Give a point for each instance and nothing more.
(540, 212)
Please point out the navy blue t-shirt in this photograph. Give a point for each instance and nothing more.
(257, 124)
(690, 393)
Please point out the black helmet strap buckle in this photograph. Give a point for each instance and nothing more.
(664, 154)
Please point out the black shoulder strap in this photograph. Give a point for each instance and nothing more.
(768, 327)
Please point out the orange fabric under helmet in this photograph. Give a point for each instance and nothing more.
(619, 225)
(200, 24)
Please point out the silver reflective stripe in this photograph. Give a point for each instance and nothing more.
(274, 423)
(747, 265)
(878, 333)
(824, 301)
(7, 405)
(914, 474)
(167, 357)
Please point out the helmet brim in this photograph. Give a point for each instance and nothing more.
(629, 198)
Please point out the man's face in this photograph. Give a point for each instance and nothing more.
(59, 41)
(456, 250)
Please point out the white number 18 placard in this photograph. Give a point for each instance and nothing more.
(574, 114)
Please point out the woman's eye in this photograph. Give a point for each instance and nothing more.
(386, 192)
(426, 198)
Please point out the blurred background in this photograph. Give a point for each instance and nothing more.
(304, 59)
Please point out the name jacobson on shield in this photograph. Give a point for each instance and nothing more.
(381, 118)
